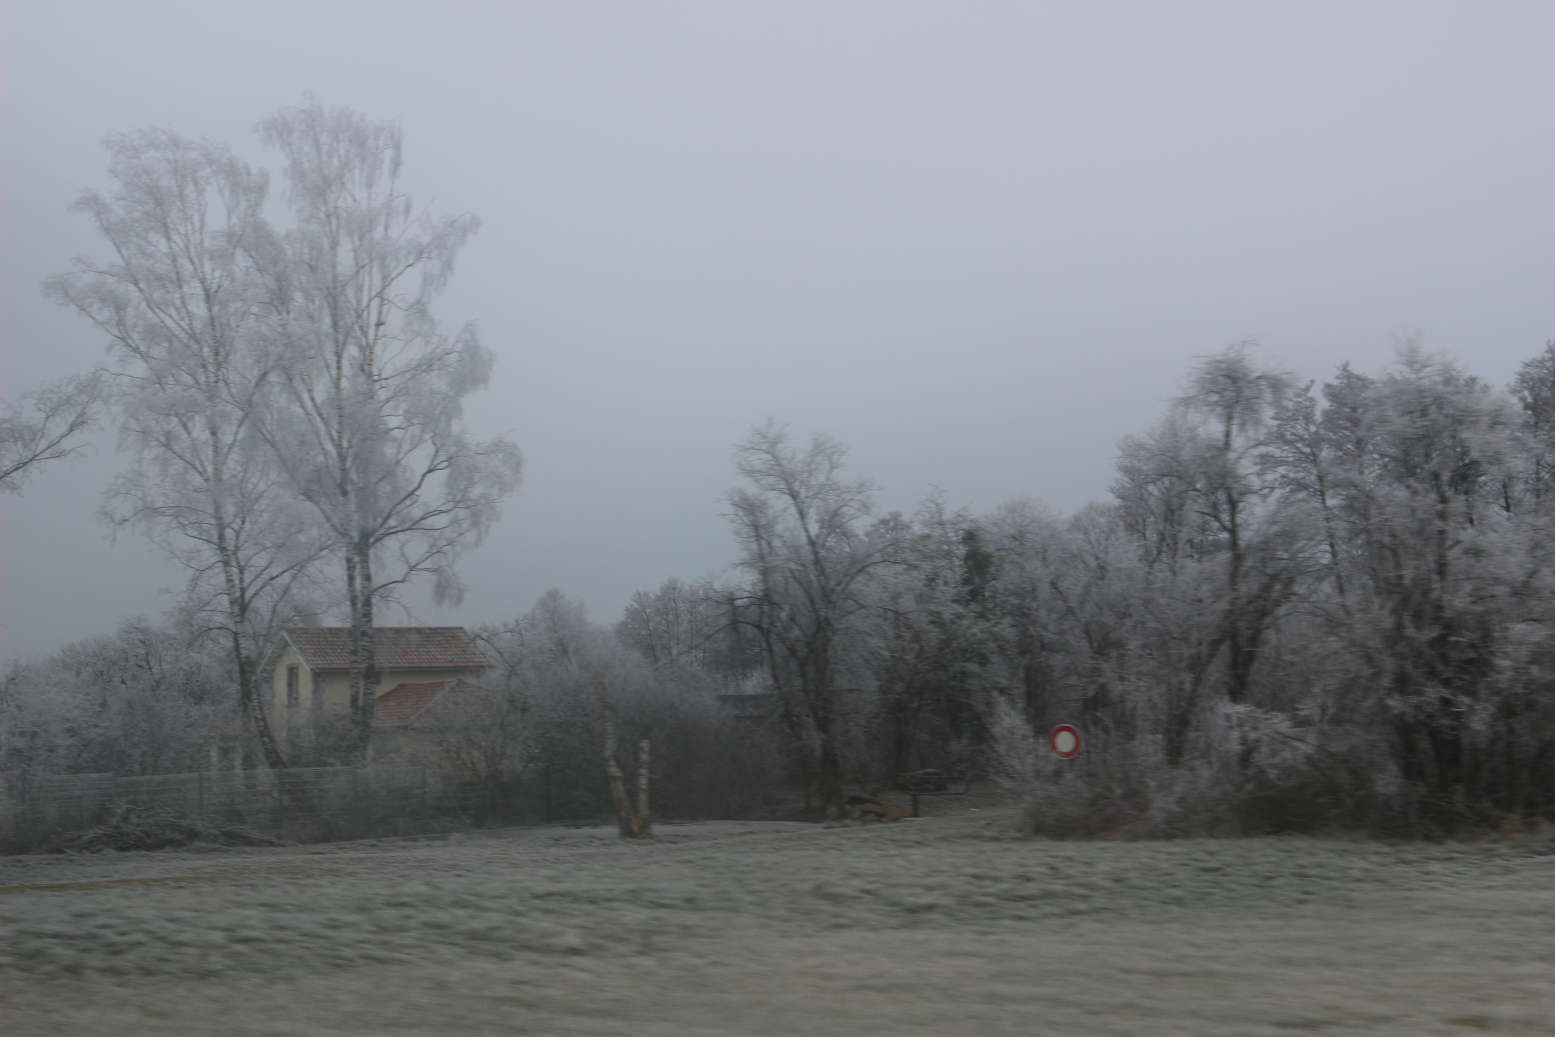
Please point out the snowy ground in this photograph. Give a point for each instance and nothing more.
(946, 926)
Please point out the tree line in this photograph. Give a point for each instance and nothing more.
(1303, 604)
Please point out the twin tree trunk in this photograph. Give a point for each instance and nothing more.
(630, 825)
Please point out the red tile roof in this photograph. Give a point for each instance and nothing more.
(396, 648)
(402, 705)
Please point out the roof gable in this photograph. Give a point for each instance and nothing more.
(396, 648)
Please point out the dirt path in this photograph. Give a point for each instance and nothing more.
(943, 927)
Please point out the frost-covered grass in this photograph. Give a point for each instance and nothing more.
(946, 926)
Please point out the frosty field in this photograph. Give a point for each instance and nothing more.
(943, 926)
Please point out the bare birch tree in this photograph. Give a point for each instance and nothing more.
(368, 422)
(181, 302)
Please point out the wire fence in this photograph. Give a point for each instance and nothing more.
(312, 804)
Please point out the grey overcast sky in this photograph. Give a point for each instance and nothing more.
(978, 242)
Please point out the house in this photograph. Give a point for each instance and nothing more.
(310, 675)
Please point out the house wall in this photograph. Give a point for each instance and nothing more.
(283, 715)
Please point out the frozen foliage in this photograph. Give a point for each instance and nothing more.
(46, 425)
(141, 828)
(367, 419)
(532, 720)
(286, 393)
(1305, 607)
(43, 813)
(1015, 757)
(149, 699)
(184, 304)
(809, 559)
(934, 927)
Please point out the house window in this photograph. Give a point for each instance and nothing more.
(318, 692)
(292, 694)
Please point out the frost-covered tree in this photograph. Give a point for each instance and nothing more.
(1223, 555)
(46, 425)
(927, 638)
(1438, 558)
(1024, 542)
(367, 416)
(1304, 605)
(1237, 400)
(148, 699)
(687, 624)
(807, 557)
(539, 704)
(1534, 390)
(183, 302)
(1183, 602)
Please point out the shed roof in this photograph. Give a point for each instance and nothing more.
(401, 706)
(396, 648)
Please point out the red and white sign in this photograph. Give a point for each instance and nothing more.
(1064, 741)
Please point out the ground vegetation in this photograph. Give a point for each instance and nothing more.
(946, 925)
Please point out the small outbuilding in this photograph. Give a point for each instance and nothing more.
(310, 674)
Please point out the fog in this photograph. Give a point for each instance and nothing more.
(978, 244)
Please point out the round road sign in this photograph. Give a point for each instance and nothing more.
(1064, 741)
